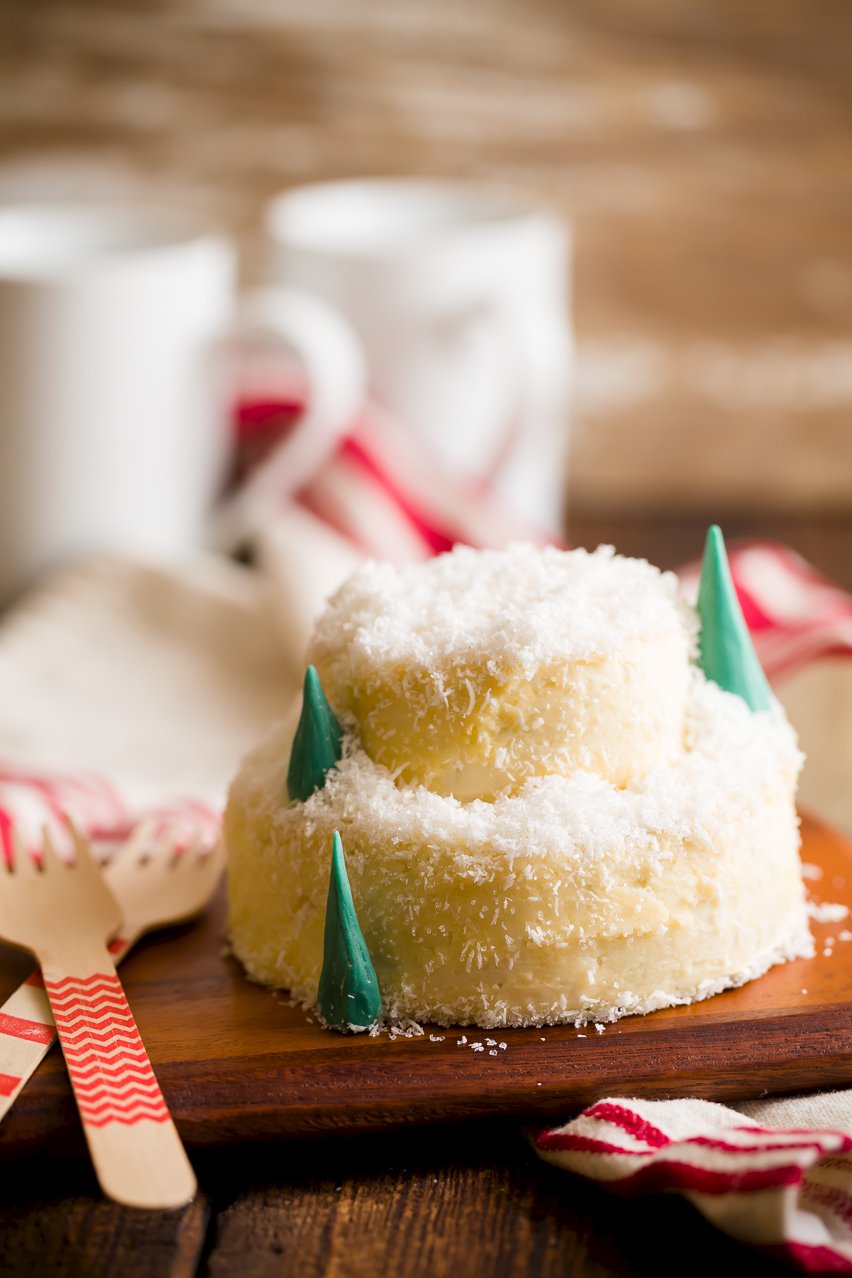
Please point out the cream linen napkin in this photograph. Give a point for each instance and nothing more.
(157, 678)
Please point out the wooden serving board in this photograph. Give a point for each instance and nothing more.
(238, 1064)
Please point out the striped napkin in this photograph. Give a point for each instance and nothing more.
(33, 803)
(775, 1174)
(214, 653)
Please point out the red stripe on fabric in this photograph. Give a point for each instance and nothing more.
(8, 1084)
(844, 1137)
(835, 1200)
(755, 617)
(252, 413)
(814, 1260)
(597, 1145)
(629, 1121)
(586, 1144)
(437, 540)
(728, 1147)
(113, 832)
(667, 1174)
(31, 1031)
(6, 837)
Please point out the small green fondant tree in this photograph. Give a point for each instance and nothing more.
(348, 996)
(317, 743)
(726, 652)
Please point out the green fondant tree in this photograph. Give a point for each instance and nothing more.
(348, 996)
(317, 743)
(726, 652)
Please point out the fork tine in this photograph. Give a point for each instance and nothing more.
(143, 839)
(196, 853)
(84, 861)
(50, 859)
(23, 861)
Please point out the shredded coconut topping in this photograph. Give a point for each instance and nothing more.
(731, 752)
(524, 604)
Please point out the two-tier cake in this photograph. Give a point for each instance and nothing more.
(549, 811)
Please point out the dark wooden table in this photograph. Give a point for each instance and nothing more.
(471, 1202)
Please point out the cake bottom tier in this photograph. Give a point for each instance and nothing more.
(571, 901)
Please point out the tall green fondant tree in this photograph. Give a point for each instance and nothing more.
(317, 743)
(726, 652)
(348, 996)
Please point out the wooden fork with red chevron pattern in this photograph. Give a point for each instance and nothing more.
(65, 914)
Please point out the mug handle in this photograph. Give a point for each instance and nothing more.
(336, 372)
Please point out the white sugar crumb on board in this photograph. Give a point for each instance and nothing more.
(477, 1047)
(804, 990)
(395, 1028)
(844, 935)
(436, 1038)
(827, 911)
(599, 1028)
(582, 1036)
(813, 873)
(526, 604)
(461, 1042)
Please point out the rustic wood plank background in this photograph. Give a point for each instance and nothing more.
(702, 152)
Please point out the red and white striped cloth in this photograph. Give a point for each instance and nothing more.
(33, 802)
(786, 1190)
(381, 490)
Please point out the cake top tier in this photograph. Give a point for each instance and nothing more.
(523, 605)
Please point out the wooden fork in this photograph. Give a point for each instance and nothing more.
(155, 888)
(66, 915)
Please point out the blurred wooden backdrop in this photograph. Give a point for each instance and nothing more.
(702, 150)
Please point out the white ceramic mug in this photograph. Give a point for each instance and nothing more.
(113, 417)
(459, 295)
